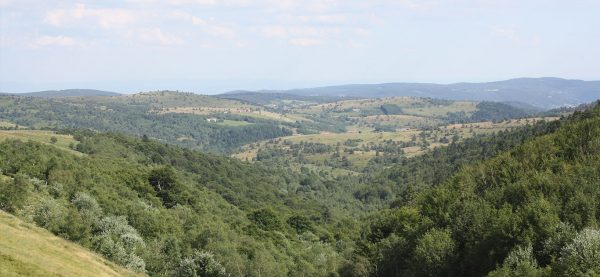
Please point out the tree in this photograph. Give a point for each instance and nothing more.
(434, 252)
(165, 183)
(581, 257)
(265, 219)
(13, 193)
(519, 262)
(300, 223)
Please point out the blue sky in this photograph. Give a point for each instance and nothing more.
(210, 46)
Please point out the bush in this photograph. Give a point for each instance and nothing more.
(13, 193)
(118, 241)
(87, 207)
(201, 263)
(49, 214)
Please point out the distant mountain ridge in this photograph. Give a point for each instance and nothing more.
(547, 92)
(67, 93)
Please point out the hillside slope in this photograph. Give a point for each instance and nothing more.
(530, 211)
(154, 208)
(26, 250)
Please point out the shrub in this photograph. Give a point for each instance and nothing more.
(13, 193)
(201, 263)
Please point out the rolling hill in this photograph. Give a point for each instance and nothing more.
(67, 93)
(544, 93)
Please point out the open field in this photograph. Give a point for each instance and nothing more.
(243, 111)
(361, 144)
(26, 250)
(234, 123)
(63, 142)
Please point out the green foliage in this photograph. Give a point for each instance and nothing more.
(111, 200)
(530, 195)
(389, 109)
(165, 183)
(581, 256)
(265, 219)
(300, 223)
(119, 241)
(13, 193)
(201, 264)
(494, 111)
(519, 262)
(463, 210)
(434, 252)
(409, 176)
(138, 116)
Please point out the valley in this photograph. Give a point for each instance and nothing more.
(166, 182)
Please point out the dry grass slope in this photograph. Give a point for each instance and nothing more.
(63, 142)
(27, 250)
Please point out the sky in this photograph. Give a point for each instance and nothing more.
(212, 46)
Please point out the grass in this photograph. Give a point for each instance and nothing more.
(234, 123)
(62, 141)
(7, 124)
(258, 113)
(441, 110)
(26, 250)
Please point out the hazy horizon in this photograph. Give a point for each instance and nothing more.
(190, 87)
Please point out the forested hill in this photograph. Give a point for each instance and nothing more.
(144, 114)
(409, 176)
(530, 211)
(540, 92)
(166, 210)
(266, 98)
(223, 125)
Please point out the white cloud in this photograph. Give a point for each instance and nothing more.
(275, 32)
(315, 18)
(106, 18)
(52, 41)
(208, 27)
(300, 35)
(313, 6)
(305, 41)
(156, 35)
(281, 31)
(513, 35)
